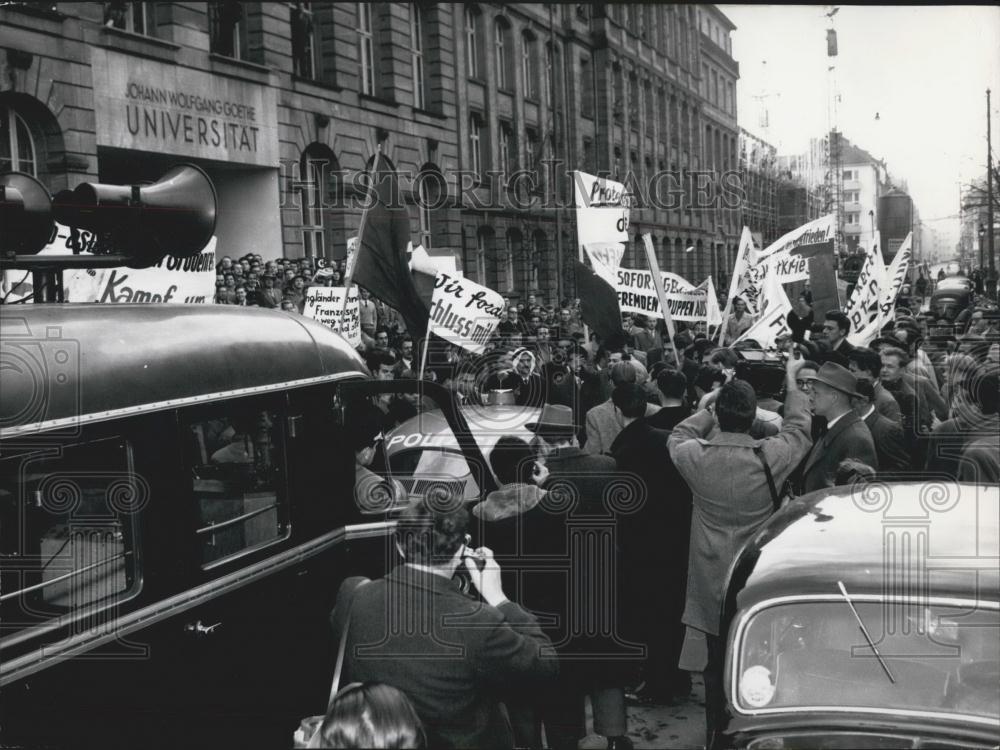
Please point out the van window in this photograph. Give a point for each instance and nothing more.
(238, 481)
(68, 516)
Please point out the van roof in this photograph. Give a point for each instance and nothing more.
(852, 535)
(64, 364)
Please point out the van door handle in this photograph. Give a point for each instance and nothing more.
(201, 631)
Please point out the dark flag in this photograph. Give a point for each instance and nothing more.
(598, 303)
(382, 264)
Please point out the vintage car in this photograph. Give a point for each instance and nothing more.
(177, 511)
(867, 618)
(952, 295)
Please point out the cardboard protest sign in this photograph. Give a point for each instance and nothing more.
(463, 312)
(325, 304)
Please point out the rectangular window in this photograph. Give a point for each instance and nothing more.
(481, 258)
(417, 58)
(528, 66)
(508, 156)
(475, 145)
(70, 519)
(471, 43)
(501, 56)
(549, 62)
(137, 17)
(531, 146)
(851, 196)
(425, 215)
(853, 218)
(715, 88)
(848, 174)
(312, 211)
(366, 48)
(237, 469)
(304, 48)
(586, 88)
(227, 29)
(730, 98)
(633, 102)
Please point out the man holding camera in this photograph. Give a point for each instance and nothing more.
(450, 654)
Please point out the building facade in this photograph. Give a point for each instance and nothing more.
(284, 105)
(761, 182)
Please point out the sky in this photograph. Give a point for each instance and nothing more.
(923, 69)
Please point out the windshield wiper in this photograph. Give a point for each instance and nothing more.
(864, 630)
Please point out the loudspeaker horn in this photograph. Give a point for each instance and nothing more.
(25, 214)
(173, 216)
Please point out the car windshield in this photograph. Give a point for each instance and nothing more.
(940, 659)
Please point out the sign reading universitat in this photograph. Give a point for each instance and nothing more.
(146, 105)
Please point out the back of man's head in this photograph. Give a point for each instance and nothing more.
(736, 406)
(725, 358)
(672, 384)
(512, 460)
(623, 372)
(432, 535)
(984, 392)
(867, 361)
(630, 399)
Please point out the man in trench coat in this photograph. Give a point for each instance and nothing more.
(731, 501)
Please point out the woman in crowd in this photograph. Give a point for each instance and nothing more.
(370, 715)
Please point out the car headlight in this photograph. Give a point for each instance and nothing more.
(756, 688)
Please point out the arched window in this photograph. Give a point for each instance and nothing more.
(539, 262)
(17, 147)
(484, 244)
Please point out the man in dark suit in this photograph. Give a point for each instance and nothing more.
(578, 484)
(655, 537)
(836, 326)
(414, 630)
(890, 446)
(846, 436)
(527, 385)
(866, 363)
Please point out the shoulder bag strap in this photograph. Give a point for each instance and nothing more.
(775, 500)
(342, 646)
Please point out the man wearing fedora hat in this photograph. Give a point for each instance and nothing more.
(846, 435)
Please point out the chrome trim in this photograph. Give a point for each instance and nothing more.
(64, 576)
(50, 654)
(880, 598)
(154, 406)
(237, 519)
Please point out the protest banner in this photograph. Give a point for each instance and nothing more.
(895, 276)
(863, 306)
(661, 295)
(637, 294)
(773, 321)
(813, 233)
(174, 280)
(463, 312)
(602, 211)
(743, 281)
(337, 308)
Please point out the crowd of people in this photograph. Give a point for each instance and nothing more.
(707, 443)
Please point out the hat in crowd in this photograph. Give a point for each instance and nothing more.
(838, 378)
(554, 418)
(890, 340)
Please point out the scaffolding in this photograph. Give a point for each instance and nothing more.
(759, 172)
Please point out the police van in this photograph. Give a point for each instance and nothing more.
(177, 512)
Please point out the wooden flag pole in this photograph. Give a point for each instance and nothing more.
(654, 267)
(349, 279)
(423, 354)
